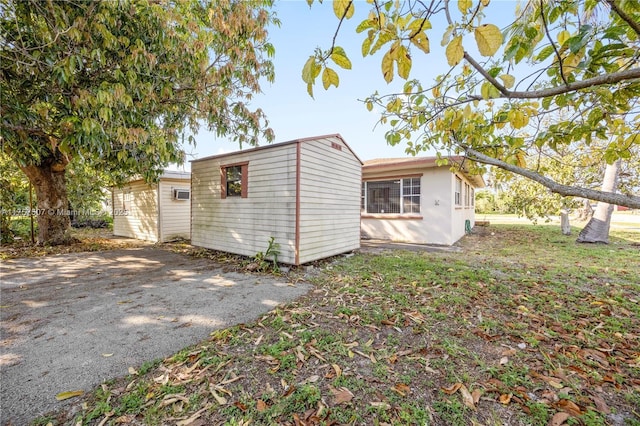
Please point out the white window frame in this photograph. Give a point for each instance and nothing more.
(365, 194)
(457, 195)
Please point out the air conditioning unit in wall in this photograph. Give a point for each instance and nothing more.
(181, 194)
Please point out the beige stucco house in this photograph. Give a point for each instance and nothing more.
(304, 193)
(414, 200)
(158, 213)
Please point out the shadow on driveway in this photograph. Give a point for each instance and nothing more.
(70, 322)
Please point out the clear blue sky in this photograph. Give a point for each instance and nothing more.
(293, 114)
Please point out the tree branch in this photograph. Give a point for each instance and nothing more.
(626, 18)
(546, 30)
(630, 201)
(611, 78)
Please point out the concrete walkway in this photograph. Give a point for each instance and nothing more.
(70, 322)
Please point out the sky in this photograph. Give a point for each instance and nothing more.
(293, 114)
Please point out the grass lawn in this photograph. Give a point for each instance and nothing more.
(523, 327)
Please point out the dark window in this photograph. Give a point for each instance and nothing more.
(234, 180)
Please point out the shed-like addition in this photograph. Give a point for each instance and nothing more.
(416, 201)
(304, 193)
(160, 212)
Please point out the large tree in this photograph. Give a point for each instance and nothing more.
(117, 84)
(559, 73)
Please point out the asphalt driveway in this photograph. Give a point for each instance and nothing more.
(69, 322)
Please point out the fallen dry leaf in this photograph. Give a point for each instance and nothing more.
(600, 404)
(467, 399)
(133, 371)
(476, 394)
(451, 389)
(558, 419)
(380, 404)
(401, 389)
(261, 406)
(70, 394)
(505, 398)
(341, 395)
(570, 407)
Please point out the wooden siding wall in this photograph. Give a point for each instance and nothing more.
(141, 220)
(244, 225)
(175, 215)
(330, 180)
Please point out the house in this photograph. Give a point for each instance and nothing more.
(304, 193)
(160, 212)
(414, 200)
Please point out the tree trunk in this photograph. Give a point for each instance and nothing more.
(564, 222)
(48, 179)
(597, 229)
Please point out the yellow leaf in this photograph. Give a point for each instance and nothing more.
(107, 355)
(132, 371)
(485, 2)
(508, 80)
(70, 394)
(419, 25)
(464, 5)
(387, 66)
(454, 51)
(404, 62)
(488, 91)
(421, 41)
(343, 8)
(488, 38)
(518, 119)
(340, 58)
(330, 77)
(308, 70)
(563, 36)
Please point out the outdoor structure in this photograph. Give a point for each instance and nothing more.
(413, 200)
(158, 213)
(304, 193)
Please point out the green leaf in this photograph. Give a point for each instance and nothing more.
(454, 51)
(330, 77)
(488, 39)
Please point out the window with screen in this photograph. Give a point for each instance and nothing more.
(394, 196)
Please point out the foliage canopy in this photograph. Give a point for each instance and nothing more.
(560, 74)
(117, 85)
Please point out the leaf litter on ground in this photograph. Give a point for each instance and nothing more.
(523, 327)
